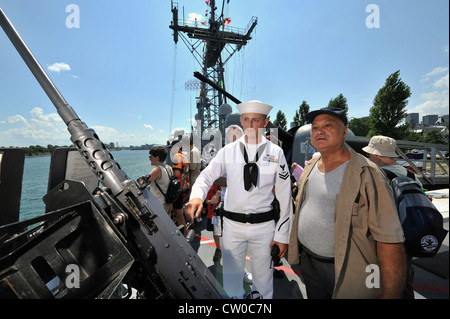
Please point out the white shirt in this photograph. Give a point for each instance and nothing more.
(316, 221)
(163, 183)
(273, 172)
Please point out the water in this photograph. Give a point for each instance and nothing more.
(36, 170)
(34, 186)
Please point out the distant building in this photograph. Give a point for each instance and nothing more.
(442, 120)
(412, 119)
(429, 120)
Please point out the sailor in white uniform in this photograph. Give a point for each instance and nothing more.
(256, 171)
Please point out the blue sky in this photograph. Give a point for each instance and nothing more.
(124, 76)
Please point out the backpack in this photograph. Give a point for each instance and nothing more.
(422, 223)
(173, 190)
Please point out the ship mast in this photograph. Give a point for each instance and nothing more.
(212, 43)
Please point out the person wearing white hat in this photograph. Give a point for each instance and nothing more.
(381, 150)
(256, 172)
(232, 133)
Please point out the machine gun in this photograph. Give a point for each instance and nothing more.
(88, 243)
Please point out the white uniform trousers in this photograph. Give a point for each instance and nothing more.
(237, 239)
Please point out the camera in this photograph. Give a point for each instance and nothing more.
(275, 252)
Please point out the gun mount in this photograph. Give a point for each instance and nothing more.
(118, 233)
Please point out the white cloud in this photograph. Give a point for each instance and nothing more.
(194, 17)
(105, 132)
(434, 72)
(38, 129)
(38, 116)
(108, 134)
(436, 100)
(441, 83)
(58, 67)
(14, 119)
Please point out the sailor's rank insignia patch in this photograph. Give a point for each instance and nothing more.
(283, 174)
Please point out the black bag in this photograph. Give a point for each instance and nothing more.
(422, 223)
(173, 190)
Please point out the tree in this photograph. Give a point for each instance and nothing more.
(299, 117)
(360, 126)
(389, 108)
(413, 136)
(339, 102)
(281, 120)
(435, 137)
(51, 147)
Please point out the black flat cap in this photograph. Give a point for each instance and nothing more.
(340, 113)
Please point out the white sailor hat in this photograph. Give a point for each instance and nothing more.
(254, 107)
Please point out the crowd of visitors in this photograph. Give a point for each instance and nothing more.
(334, 215)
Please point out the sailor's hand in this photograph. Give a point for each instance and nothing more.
(283, 247)
(193, 208)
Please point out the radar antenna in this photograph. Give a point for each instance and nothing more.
(212, 43)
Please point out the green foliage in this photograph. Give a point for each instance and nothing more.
(339, 102)
(388, 108)
(360, 126)
(386, 115)
(299, 117)
(385, 118)
(433, 136)
(38, 150)
(281, 120)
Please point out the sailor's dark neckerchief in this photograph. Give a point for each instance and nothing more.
(251, 169)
